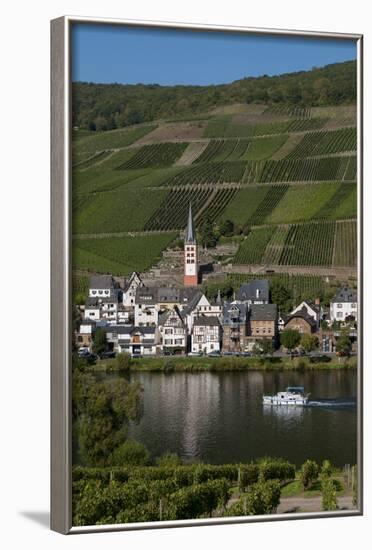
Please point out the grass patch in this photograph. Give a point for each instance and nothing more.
(118, 211)
(119, 255)
(114, 139)
(216, 364)
(302, 202)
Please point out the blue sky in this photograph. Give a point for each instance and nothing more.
(105, 53)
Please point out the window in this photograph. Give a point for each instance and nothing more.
(178, 341)
(168, 331)
(100, 292)
(94, 292)
(339, 305)
(353, 306)
(339, 314)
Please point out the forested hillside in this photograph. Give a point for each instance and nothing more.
(108, 106)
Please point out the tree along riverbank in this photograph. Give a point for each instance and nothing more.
(201, 364)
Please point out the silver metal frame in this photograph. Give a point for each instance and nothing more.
(61, 331)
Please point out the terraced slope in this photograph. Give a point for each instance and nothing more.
(287, 175)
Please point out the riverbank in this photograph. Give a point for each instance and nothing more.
(228, 364)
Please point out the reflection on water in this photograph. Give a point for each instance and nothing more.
(219, 417)
(291, 414)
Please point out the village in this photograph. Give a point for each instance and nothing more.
(157, 320)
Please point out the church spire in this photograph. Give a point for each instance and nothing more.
(190, 233)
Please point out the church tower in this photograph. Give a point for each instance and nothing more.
(191, 254)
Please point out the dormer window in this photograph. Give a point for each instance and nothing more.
(94, 292)
(100, 292)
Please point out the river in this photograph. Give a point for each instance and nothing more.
(219, 417)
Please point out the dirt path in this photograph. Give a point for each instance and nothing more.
(192, 152)
(311, 504)
(338, 272)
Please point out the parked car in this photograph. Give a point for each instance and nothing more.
(228, 353)
(214, 354)
(246, 354)
(195, 354)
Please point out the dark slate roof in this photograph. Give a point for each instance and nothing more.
(164, 316)
(302, 314)
(229, 317)
(248, 291)
(118, 329)
(345, 294)
(205, 320)
(88, 322)
(146, 296)
(95, 301)
(91, 303)
(101, 281)
(263, 312)
(168, 294)
(191, 297)
(190, 233)
(128, 329)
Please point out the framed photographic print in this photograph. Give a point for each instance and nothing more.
(206, 275)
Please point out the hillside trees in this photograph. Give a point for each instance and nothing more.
(290, 339)
(107, 106)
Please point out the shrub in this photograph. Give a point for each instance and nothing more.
(169, 460)
(309, 473)
(261, 498)
(197, 501)
(329, 500)
(123, 361)
(131, 453)
(276, 469)
(326, 469)
(248, 475)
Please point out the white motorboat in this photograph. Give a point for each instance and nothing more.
(293, 395)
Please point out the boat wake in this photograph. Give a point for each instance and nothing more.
(340, 403)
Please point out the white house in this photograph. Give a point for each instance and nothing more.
(344, 304)
(206, 335)
(200, 305)
(130, 287)
(101, 286)
(133, 340)
(92, 309)
(173, 331)
(103, 299)
(146, 312)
